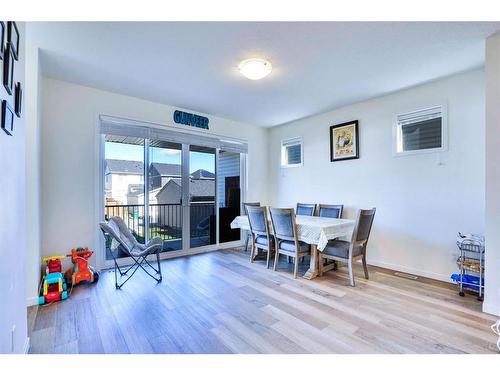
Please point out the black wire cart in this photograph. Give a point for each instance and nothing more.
(471, 264)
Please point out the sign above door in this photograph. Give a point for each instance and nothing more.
(191, 119)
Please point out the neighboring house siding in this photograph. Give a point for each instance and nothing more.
(228, 166)
(120, 183)
(170, 194)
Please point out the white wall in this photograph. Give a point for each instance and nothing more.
(420, 204)
(32, 102)
(13, 223)
(69, 157)
(492, 277)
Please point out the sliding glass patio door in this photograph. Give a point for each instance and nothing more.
(167, 186)
(124, 185)
(165, 192)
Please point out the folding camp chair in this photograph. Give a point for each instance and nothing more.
(122, 239)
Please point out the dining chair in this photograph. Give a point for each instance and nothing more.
(306, 209)
(259, 229)
(345, 251)
(330, 210)
(249, 235)
(285, 237)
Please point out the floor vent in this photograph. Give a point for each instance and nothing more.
(406, 275)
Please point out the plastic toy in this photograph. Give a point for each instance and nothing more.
(81, 272)
(53, 285)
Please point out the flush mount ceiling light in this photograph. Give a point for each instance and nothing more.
(255, 69)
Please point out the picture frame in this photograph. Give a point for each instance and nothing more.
(8, 69)
(2, 37)
(7, 118)
(18, 99)
(13, 38)
(344, 141)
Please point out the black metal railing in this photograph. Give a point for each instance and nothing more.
(165, 220)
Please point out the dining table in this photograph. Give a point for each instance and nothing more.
(313, 230)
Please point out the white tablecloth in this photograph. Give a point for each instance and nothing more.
(311, 229)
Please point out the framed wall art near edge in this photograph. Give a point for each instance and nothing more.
(344, 141)
(8, 69)
(13, 38)
(2, 35)
(18, 99)
(7, 118)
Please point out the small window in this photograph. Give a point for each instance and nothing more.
(291, 152)
(421, 131)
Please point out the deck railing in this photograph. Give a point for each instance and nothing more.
(165, 220)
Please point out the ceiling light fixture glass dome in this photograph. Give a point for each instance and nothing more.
(255, 69)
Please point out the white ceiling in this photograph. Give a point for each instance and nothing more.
(316, 66)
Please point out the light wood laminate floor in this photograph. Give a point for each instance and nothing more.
(221, 303)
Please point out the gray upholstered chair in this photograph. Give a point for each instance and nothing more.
(330, 210)
(259, 228)
(306, 209)
(285, 237)
(347, 252)
(249, 234)
(122, 239)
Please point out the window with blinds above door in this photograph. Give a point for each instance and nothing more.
(421, 131)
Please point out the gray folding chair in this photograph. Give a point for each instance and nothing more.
(122, 239)
(345, 251)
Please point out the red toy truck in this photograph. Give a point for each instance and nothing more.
(81, 271)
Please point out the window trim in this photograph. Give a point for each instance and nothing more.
(444, 132)
(282, 148)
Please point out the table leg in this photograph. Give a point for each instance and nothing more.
(312, 272)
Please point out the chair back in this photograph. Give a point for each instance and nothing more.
(250, 204)
(306, 209)
(283, 221)
(257, 218)
(120, 234)
(330, 210)
(363, 227)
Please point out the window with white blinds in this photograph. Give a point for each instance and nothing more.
(291, 152)
(421, 131)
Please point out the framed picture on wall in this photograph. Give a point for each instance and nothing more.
(18, 99)
(2, 37)
(7, 118)
(8, 69)
(344, 142)
(13, 38)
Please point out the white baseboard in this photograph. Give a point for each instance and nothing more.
(491, 309)
(414, 271)
(26, 346)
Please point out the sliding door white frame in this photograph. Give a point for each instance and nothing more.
(186, 250)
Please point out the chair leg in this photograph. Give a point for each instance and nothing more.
(268, 257)
(351, 275)
(252, 251)
(246, 242)
(288, 259)
(295, 267)
(320, 264)
(159, 266)
(365, 268)
(276, 259)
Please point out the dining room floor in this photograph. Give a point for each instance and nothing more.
(219, 302)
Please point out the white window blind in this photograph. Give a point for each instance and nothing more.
(291, 152)
(421, 131)
(130, 128)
